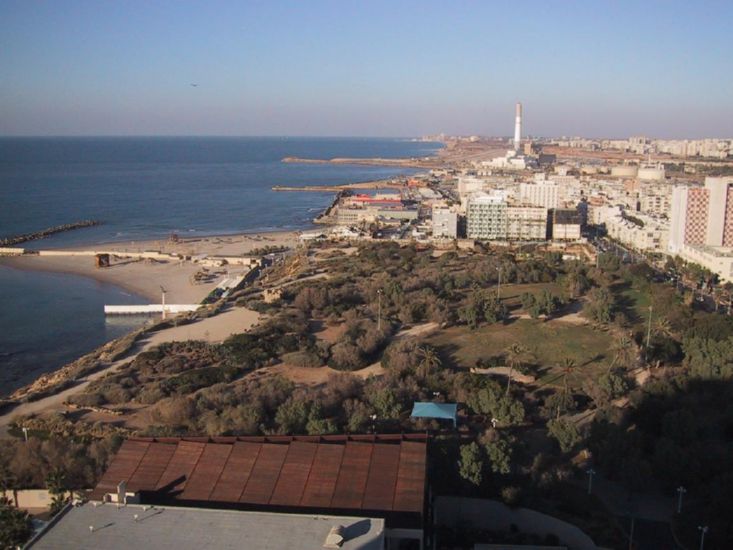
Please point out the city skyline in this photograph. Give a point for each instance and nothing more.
(327, 69)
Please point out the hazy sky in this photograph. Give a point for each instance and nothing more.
(370, 68)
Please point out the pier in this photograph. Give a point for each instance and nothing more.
(149, 309)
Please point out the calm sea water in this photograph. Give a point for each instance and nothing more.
(144, 188)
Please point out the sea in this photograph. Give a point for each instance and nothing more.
(146, 188)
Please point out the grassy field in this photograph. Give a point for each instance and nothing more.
(549, 342)
(633, 302)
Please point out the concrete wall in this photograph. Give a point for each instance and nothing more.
(30, 499)
(495, 516)
(12, 251)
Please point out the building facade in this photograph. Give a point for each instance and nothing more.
(526, 223)
(486, 217)
(445, 223)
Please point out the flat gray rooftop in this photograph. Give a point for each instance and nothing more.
(178, 528)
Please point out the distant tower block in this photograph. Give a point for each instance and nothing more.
(518, 126)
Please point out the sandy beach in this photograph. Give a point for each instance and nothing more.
(145, 277)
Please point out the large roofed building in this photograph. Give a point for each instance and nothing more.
(90, 527)
(347, 473)
(372, 477)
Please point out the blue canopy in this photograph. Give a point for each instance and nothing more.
(422, 409)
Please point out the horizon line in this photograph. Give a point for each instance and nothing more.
(343, 136)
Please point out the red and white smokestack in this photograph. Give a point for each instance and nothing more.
(518, 126)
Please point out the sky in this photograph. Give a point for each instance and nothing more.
(366, 68)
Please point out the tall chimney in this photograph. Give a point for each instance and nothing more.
(518, 126)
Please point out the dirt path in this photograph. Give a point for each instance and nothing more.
(213, 329)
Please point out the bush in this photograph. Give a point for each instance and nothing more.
(471, 464)
(346, 356)
(302, 359)
(511, 495)
(565, 433)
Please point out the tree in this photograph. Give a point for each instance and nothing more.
(385, 403)
(491, 401)
(567, 369)
(470, 314)
(576, 281)
(471, 464)
(429, 361)
(528, 303)
(292, 416)
(317, 424)
(663, 328)
(613, 385)
(565, 433)
(493, 308)
(600, 306)
(516, 354)
(624, 351)
(15, 525)
(55, 484)
(499, 453)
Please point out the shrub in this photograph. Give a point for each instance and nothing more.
(302, 359)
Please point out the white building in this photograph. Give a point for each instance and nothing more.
(445, 222)
(543, 194)
(486, 217)
(526, 223)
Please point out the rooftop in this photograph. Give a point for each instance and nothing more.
(379, 473)
(179, 528)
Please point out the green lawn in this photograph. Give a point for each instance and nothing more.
(549, 342)
(633, 302)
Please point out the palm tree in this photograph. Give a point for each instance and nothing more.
(516, 355)
(567, 369)
(624, 351)
(663, 328)
(429, 361)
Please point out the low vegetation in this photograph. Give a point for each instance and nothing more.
(558, 359)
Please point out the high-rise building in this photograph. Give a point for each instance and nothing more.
(445, 222)
(545, 194)
(702, 216)
(490, 218)
(526, 223)
(486, 217)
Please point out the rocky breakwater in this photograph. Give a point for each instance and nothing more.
(18, 239)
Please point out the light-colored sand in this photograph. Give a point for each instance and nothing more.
(145, 277)
(141, 277)
(212, 329)
(309, 376)
(221, 245)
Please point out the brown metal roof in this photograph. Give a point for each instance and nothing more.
(376, 473)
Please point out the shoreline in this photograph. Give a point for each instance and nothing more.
(144, 277)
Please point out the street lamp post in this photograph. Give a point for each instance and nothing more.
(162, 300)
(648, 335)
(498, 284)
(373, 418)
(680, 491)
(703, 529)
(591, 472)
(379, 309)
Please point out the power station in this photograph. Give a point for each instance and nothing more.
(517, 126)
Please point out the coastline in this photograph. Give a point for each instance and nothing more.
(145, 277)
